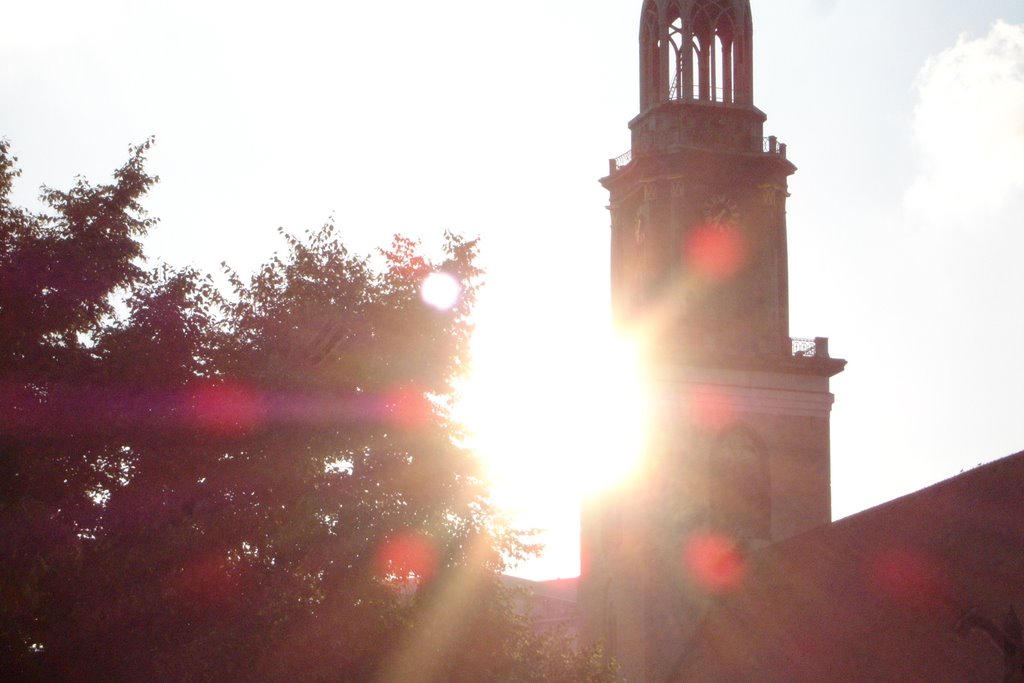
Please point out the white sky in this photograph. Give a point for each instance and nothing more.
(496, 119)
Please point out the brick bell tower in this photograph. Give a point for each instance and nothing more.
(739, 453)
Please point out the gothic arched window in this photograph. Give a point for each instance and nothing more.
(677, 41)
(740, 486)
(714, 41)
(650, 58)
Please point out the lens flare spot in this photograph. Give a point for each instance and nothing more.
(208, 580)
(910, 579)
(710, 408)
(441, 291)
(408, 407)
(714, 251)
(227, 409)
(407, 556)
(714, 562)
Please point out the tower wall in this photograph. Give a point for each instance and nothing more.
(645, 586)
(739, 455)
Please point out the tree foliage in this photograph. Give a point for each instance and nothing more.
(259, 484)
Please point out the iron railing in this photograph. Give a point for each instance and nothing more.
(620, 162)
(719, 95)
(805, 348)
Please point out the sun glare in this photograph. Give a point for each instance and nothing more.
(554, 420)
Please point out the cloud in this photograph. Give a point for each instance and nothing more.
(968, 127)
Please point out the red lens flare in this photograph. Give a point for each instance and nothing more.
(405, 555)
(714, 251)
(408, 407)
(909, 578)
(711, 408)
(228, 409)
(714, 562)
(208, 580)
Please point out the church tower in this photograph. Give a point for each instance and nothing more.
(739, 457)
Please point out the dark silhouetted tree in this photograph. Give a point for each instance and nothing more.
(262, 484)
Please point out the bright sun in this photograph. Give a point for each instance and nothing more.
(553, 420)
